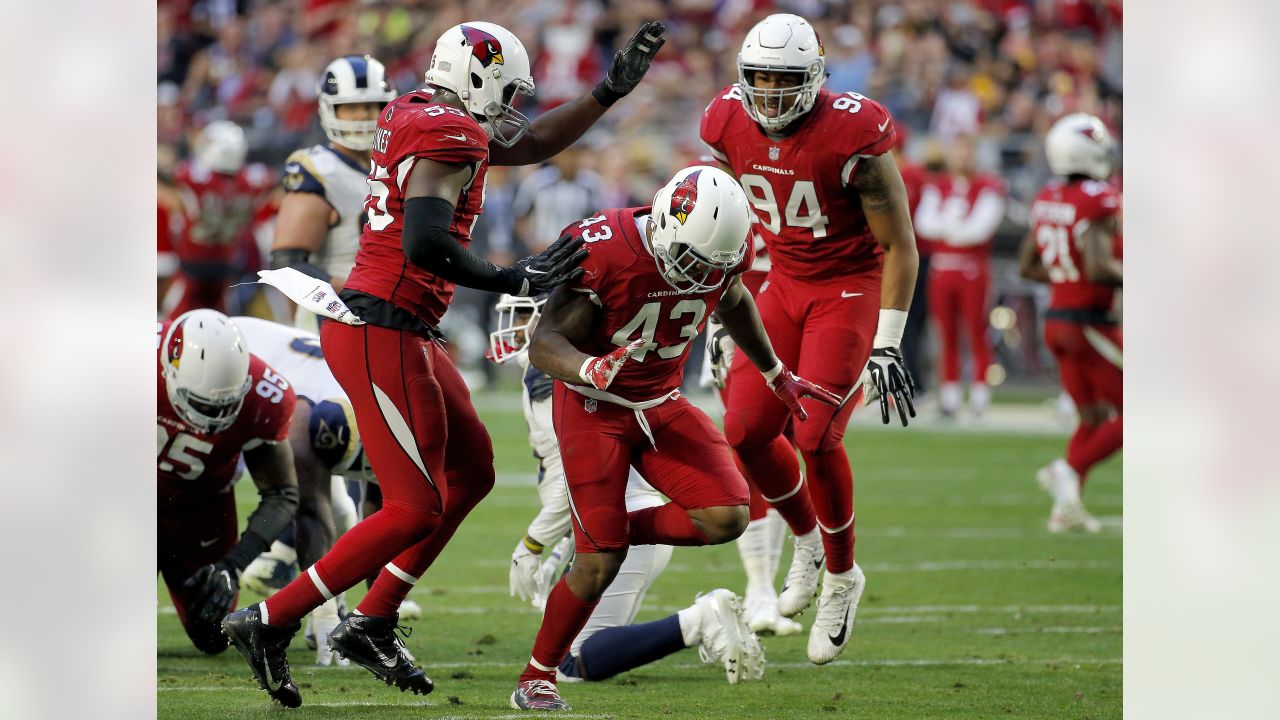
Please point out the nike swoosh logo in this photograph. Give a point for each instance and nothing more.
(463, 138)
(817, 564)
(844, 294)
(272, 684)
(883, 126)
(207, 543)
(838, 638)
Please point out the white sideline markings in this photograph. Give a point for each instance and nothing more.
(950, 565)
(1053, 629)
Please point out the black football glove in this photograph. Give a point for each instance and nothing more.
(215, 587)
(630, 63)
(557, 264)
(890, 376)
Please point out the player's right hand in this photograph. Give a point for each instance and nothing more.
(600, 371)
(720, 349)
(632, 61)
(215, 587)
(890, 376)
(523, 574)
(557, 264)
(790, 388)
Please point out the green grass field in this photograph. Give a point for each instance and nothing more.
(972, 610)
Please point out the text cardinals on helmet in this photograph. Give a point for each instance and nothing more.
(700, 221)
(486, 66)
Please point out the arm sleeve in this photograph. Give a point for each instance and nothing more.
(274, 512)
(429, 245)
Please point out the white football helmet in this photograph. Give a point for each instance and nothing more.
(486, 66)
(1080, 144)
(781, 43)
(222, 147)
(206, 369)
(517, 317)
(699, 222)
(352, 79)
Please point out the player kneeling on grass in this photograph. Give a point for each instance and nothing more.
(616, 341)
(609, 644)
(216, 401)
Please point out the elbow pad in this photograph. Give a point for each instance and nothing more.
(296, 258)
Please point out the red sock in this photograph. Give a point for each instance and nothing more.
(775, 471)
(663, 525)
(387, 592)
(563, 619)
(1096, 445)
(831, 488)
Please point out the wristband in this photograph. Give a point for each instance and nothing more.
(532, 545)
(582, 371)
(604, 95)
(772, 374)
(889, 328)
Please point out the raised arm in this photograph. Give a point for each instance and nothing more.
(559, 128)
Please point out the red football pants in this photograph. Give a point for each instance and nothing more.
(688, 461)
(958, 303)
(188, 537)
(823, 332)
(428, 449)
(1088, 357)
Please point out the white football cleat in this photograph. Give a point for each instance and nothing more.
(1063, 485)
(322, 622)
(725, 638)
(837, 608)
(410, 610)
(763, 617)
(802, 577)
(271, 571)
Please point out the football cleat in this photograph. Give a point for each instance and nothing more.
(263, 647)
(372, 643)
(763, 617)
(409, 610)
(725, 638)
(271, 571)
(537, 695)
(837, 608)
(802, 577)
(1062, 483)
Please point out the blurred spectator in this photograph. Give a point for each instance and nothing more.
(555, 195)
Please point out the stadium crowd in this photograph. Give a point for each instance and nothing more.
(997, 71)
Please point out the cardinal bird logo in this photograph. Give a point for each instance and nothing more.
(1090, 132)
(484, 46)
(174, 352)
(685, 196)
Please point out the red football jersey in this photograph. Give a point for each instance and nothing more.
(914, 178)
(412, 127)
(637, 302)
(194, 465)
(811, 222)
(958, 197)
(221, 210)
(1059, 217)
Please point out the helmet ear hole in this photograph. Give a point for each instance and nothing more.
(662, 220)
(476, 81)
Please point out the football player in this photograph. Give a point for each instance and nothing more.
(322, 213)
(1072, 246)
(223, 200)
(424, 441)
(608, 644)
(831, 207)
(616, 341)
(216, 402)
(961, 210)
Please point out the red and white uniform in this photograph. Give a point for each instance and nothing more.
(221, 212)
(1079, 328)
(196, 472)
(422, 437)
(821, 303)
(959, 215)
(642, 415)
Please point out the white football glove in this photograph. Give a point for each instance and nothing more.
(324, 620)
(523, 574)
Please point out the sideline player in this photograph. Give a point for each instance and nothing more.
(215, 402)
(431, 454)
(616, 341)
(831, 207)
(223, 199)
(322, 214)
(1075, 223)
(608, 644)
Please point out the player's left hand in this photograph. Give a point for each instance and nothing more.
(556, 265)
(632, 61)
(889, 376)
(790, 388)
(523, 575)
(600, 371)
(215, 588)
(720, 349)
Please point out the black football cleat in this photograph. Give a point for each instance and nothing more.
(263, 647)
(372, 643)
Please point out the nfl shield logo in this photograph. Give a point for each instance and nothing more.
(773, 153)
(590, 405)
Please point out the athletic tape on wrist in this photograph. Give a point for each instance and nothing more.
(890, 328)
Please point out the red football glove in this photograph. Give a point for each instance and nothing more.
(600, 371)
(790, 387)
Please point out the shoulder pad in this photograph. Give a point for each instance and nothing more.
(301, 173)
